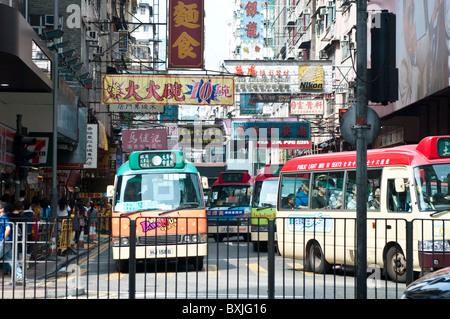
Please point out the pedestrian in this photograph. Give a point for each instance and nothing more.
(5, 241)
(28, 218)
(63, 207)
(92, 217)
(16, 217)
(45, 209)
(78, 224)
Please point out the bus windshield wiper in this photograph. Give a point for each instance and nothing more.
(179, 208)
(445, 210)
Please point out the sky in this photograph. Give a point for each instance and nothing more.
(217, 13)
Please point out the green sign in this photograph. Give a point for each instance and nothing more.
(156, 159)
(443, 147)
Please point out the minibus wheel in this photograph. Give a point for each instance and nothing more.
(316, 259)
(396, 264)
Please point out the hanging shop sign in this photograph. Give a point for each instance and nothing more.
(167, 89)
(274, 134)
(281, 77)
(200, 136)
(186, 33)
(152, 138)
(306, 107)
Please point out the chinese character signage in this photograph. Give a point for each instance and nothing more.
(154, 138)
(306, 106)
(167, 89)
(123, 41)
(281, 77)
(200, 136)
(137, 108)
(186, 33)
(252, 32)
(91, 146)
(248, 106)
(275, 134)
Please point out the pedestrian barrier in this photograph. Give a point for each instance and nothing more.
(232, 268)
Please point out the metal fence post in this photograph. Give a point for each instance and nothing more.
(132, 262)
(271, 260)
(409, 253)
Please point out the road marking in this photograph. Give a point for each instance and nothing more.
(257, 269)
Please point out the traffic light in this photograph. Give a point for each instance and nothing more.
(383, 75)
(22, 155)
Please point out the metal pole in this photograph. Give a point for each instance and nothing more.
(271, 259)
(54, 192)
(361, 150)
(132, 262)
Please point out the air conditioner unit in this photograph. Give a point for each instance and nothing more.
(323, 54)
(345, 38)
(49, 19)
(97, 50)
(91, 36)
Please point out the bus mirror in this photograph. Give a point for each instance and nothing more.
(110, 191)
(399, 185)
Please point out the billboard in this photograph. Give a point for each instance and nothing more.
(186, 33)
(281, 134)
(421, 45)
(281, 77)
(167, 89)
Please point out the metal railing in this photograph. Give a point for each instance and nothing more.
(62, 266)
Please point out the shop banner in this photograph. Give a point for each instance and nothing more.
(306, 106)
(186, 33)
(153, 138)
(167, 89)
(274, 134)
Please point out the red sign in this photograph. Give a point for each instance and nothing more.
(154, 138)
(186, 31)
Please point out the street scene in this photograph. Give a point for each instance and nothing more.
(227, 150)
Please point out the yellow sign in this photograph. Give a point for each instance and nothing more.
(310, 77)
(167, 89)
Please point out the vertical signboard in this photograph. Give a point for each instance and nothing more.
(91, 146)
(186, 34)
(252, 32)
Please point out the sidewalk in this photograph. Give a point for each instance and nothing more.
(40, 275)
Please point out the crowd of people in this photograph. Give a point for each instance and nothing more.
(20, 215)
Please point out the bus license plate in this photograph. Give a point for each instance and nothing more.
(153, 252)
(230, 229)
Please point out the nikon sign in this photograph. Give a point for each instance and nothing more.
(310, 77)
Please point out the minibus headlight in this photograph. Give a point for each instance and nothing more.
(434, 245)
(121, 241)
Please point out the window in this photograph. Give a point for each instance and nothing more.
(297, 186)
(327, 190)
(398, 195)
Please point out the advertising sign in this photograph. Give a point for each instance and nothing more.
(281, 77)
(153, 138)
(200, 136)
(167, 89)
(306, 107)
(186, 32)
(275, 134)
